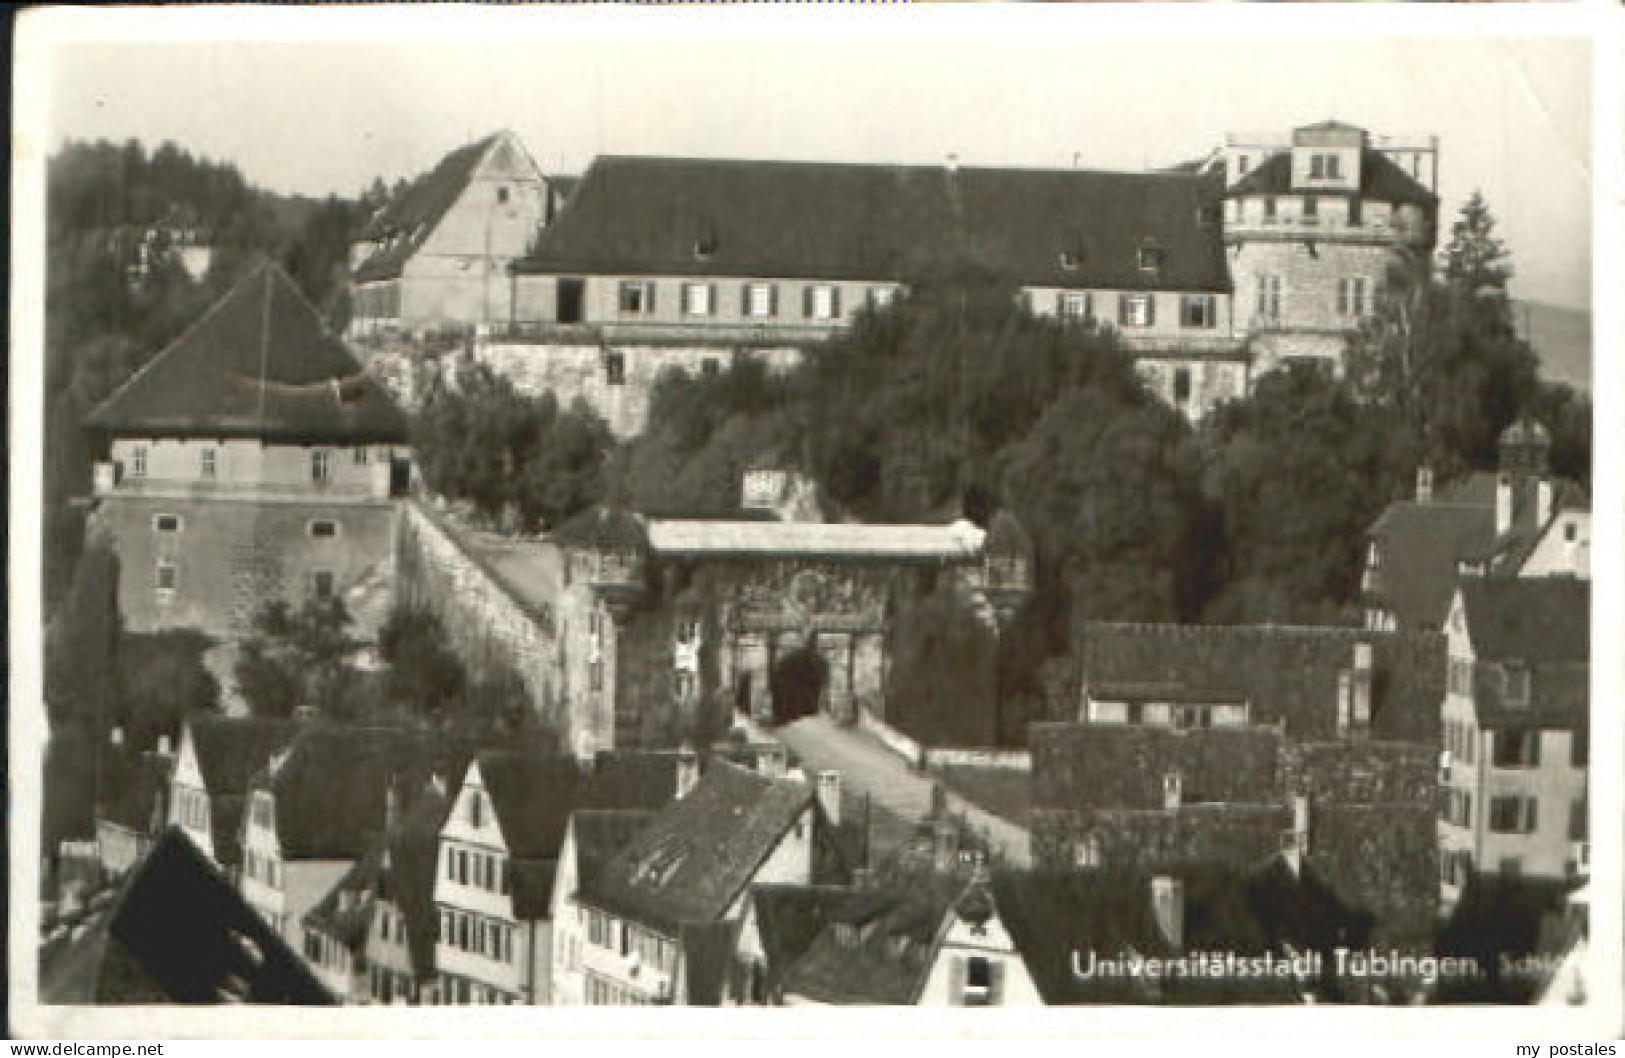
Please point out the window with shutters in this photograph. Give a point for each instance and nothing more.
(637, 297)
(205, 459)
(761, 300)
(1311, 209)
(138, 461)
(1137, 310)
(321, 465)
(1269, 211)
(697, 299)
(1199, 311)
(1075, 305)
(823, 302)
(615, 369)
(978, 989)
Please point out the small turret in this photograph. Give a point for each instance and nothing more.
(613, 546)
(1008, 564)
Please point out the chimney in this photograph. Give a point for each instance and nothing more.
(1296, 842)
(688, 771)
(1503, 504)
(1424, 484)
(1168, 905)
(944, 844)
(1173, 790)
(772, 762)
(829, 795)
(163, 746)
(1543, 500)
(950, 162)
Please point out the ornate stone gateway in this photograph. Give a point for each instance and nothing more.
(838, 610)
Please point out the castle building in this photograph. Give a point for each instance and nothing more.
(436, 256)
(251, 460)
(1312, 224)
(1516, 722)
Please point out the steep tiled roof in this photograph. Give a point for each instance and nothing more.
(332, 787)
(1288, 674)
(533, 796)
(1054, 918)
(1528, 619)
(259, 363)
(1422, 544)
(1120, 766)
(412, 215)
(790, 917)
(601, 834)
(696, 856)
(1380, 179)
(772, 219)
(179, 932)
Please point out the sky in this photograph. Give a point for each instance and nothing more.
(1513, 113)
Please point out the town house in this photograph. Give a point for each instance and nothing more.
(436, 256)
(500, 848)
(313, 811)
(1516, 732)
(372, 938)
(217, 760)
(1519, 521)
(649, 924)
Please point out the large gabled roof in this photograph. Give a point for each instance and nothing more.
(1288, 674)
(786, 219)
(259, 363)
(333, 785)
(696, 856)
(408, 219)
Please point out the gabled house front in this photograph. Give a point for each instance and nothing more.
(647, 923)
(1516, 722)
(314, 811)
(500, 850)
(436, 256)
(217, 760)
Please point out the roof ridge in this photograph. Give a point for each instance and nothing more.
(929, 167)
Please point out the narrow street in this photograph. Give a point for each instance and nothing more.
(867, 766)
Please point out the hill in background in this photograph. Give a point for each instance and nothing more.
(1562, 337)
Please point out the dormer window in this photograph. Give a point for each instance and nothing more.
(1069, 260)
(1150, 260)
(705, 247)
